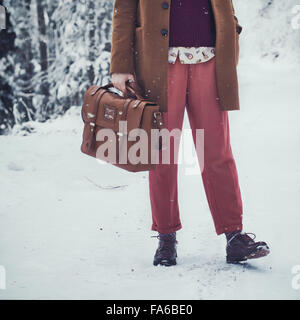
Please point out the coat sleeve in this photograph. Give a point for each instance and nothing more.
(123, 32)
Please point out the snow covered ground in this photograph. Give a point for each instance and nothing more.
(72, 228)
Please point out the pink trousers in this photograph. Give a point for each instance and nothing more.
(194, 86)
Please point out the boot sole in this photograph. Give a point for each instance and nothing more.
(258, 254)
(166, 263)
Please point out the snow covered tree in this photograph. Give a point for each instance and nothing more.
(43, 50)
(7, 40)
(61, 48)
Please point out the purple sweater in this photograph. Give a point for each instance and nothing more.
(192, 24)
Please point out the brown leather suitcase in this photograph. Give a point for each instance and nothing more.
(112, 127)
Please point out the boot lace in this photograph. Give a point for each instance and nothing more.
(244, 236)
(166, 244)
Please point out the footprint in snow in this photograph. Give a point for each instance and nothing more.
(14, 167)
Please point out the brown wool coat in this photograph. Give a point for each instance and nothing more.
(140, 47)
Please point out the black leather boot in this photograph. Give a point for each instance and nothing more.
(241, 247)
(166, 252)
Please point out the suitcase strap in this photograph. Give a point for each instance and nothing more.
(159, 119)
(91, 119)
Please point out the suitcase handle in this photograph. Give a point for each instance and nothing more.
(133, 90)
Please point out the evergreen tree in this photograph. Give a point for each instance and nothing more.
(7, 40)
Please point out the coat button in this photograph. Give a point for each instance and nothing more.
(164, 32)
(165, 5)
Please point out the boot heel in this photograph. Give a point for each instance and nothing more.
(234, 260)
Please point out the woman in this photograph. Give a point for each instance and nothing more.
(183, 53)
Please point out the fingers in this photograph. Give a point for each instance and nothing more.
(119, 81)
(123, 87)
(131, 78)
(120, 85)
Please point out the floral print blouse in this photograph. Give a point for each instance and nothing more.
(189, 55)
